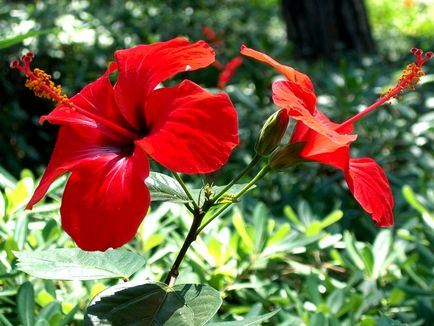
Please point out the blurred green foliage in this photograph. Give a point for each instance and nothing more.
(317, 267)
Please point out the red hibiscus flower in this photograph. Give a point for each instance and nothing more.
(108, 131)
(327, 142)
(211, 36)
(229, 71)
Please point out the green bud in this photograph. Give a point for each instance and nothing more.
(287, 156)
(272, 133)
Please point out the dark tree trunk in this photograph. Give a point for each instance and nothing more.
(323, 28)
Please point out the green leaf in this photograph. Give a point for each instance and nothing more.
(21, 230)
(336, 300)
(6, 179)
(26, 304)
(381, 249)
(311, 288)
(240, 226)
(52, 313)
(69, 317)
(18, 196)
(318, 319)
(332, 218)
(19, 38)
(293, 241)
(313, 229)
(154, 304)
(257, 320)
(427, 254)
(411, 198)
(76, 264)
(260, 220)
(4, 321)
(165, 188)
(289, 212)
(386, 321)
(350, 246)
(368, 260)
(2, 206)
(281, 233)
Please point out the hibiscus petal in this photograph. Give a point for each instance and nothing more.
(290, 73)
(191, 130)
(370, 187)
(290, 95)
(97, 99)
(319, 145)
(229, 71)
(73, 146)
(143, 67)
(337, 159)
(105, 200)
(323, 137)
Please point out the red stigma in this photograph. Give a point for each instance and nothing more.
(419, 58)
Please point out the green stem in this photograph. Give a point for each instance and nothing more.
(189, 196)
(251, 165)
(246, 188)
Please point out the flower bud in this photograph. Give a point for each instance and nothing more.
(272, 132)
(287, 156)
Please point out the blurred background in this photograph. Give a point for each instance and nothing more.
(353, 51)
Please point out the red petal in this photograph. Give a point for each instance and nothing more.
(229, 71)
(370, 188)
(96, 98)
(290, 95)
(143, 67)
(105, 200)
(337, 159)
(290, 73)
(73, 146)
(191, 130)
(318, 133)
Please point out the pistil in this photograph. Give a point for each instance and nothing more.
(409, 78)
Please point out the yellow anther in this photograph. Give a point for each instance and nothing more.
(408, 80)
(42, 85)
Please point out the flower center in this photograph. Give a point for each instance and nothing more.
(409, 78)
(42, 85)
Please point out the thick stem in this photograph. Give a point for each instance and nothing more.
(191, 237)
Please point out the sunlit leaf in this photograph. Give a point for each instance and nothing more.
(381, 248)
(332, 218)
(411, 198)
(76, 264)
(240, 226)
(165, 188)
(19, 38)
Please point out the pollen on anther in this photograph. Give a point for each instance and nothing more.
(39, 81)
